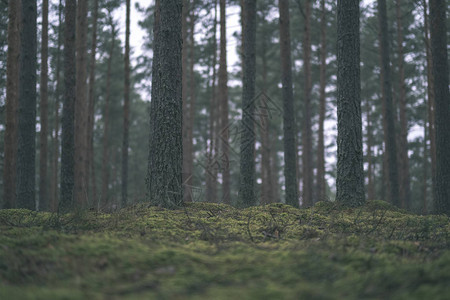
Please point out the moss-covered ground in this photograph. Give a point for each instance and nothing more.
(213, 251)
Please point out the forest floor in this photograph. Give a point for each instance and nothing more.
(214, 251)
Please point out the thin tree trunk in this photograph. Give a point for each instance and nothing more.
(43, 197)
(90, 166)
(389, 113)
(12, 94)
(55, 140)
(223, 100)
(290, 172)
(26, 141)
(67, 138)
(211, 176)
(126, 108)
(105, 151)
(370, 185)
(440, 69)
(190, 126)
(247, 195)
(425, 171)
(274, 167)
(403, 145)
(185, 95)
(321, 193)
(350, 171)
(307, 165)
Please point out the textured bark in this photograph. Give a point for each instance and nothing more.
(307, 161)
(67, 123)
(388, 112)
(43, 197)
(192, 95)
(164, 182)
(214, 113)
(247, 195)
(90, 164)
(105, 141)
(350, 172)
(403, 145)
(12, 94)
(430, 92)
(185, 95)
(26, 142)
(81, 104)
(126, 108)
(370, 179)
(439, 53)
(223, 102)
(321, 193)
(290, 172)
(55, 137)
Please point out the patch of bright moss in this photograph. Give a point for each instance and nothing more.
(216, 251)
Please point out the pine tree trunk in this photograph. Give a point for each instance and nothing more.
(190, 125)
(350, 172)
(370, 179)
(211, 174)
(403, 145)
(67, 123)
(425, 171)
(223, 100)
(105, 142)
(164, 181)
(90, 163)
(275, 168)
(43, 196)
(12, 94)
(388, 113)
(26, 142)
(247, 195)
(290, 172)
(442, 104)
(55, 139)
(321, 193)
(126, 108)
(307, 165)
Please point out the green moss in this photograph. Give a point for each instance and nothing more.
(216, 251)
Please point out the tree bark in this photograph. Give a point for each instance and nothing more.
(26, 142)
(442, 104)
(164, 181)
(185, 95)
(350, 172)
(126, 108)
(90, 163)
(403, 145)
(388, 112)
(247, 195)
(288, 107)
(192, 95)
(321, 192)
(223, 100)
(370, 179)
(67, 139)
(12, 94)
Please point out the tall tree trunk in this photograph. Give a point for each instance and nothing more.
(90, 163)
(307, 163)
(26, 142)
(321, 192)
(403, 145)
(67, 123)
(43, 197)
(388, 112)
(223, 100)
(12, 95)
(430, 102)
(425, 171)
(126, 108)
(185, 95)
(81, 103)
(164, 181)
(350, 172)
(105, 142)
(290, 172)
(214, 113)
(442, 104)
(370, 179)
(55, 139)
(190, 125)
(274, 167)
(247, 195)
